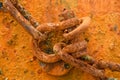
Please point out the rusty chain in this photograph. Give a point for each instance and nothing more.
(67, 50)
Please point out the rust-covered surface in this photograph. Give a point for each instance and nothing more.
(17, 61)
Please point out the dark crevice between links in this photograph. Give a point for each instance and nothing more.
(1, 5)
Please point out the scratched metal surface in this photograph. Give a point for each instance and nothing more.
(16, 53)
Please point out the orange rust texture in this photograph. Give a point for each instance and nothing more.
(16, 53)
